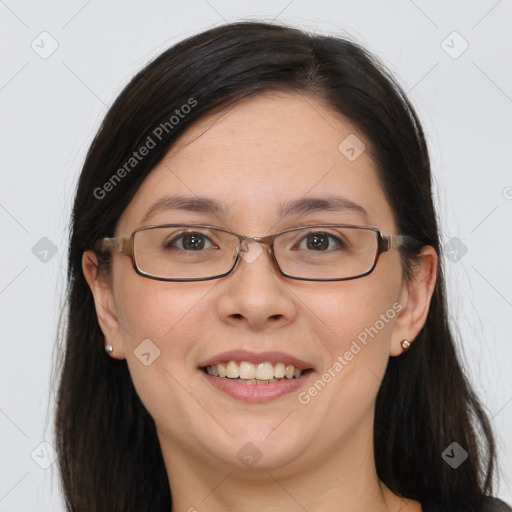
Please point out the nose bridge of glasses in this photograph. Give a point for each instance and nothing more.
(263, 240)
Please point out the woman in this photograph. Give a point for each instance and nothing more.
(218, 367)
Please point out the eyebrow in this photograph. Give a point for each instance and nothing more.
(301, 206)
(191, 204)
(313, 204)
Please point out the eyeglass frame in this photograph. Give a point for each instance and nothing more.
(125, 245)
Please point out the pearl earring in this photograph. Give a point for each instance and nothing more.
(405, 344)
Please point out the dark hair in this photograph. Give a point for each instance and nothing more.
(108, 451)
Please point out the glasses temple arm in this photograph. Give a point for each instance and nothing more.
(122, 245)
(389, 242)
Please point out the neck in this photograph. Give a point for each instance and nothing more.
(342, 480)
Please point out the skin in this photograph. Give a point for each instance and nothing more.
(315, 457)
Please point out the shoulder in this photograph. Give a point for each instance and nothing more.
(484, 504)
(498, 505)
(489, 504)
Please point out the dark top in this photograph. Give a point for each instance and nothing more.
(486, 504)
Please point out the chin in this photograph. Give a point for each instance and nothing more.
(263, 448)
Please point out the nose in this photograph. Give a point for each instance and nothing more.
(255, 294)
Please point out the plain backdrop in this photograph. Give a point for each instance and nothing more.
(64, 62)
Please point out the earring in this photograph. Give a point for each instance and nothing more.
(109, 348)
(405, 344)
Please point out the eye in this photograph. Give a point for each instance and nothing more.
(189, 241)
(320, 241)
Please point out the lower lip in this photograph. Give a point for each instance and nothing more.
(257, 393)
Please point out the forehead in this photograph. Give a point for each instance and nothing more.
(259, 154)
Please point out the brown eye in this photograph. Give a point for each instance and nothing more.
(321, 241)
(189, 241)
(317, 241)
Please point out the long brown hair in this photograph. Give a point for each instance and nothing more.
(108, 452)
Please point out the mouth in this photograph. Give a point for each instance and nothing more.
(245, 372)
(255, 377)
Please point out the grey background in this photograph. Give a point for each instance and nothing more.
(51, 107)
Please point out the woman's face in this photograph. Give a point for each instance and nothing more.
(267, 151)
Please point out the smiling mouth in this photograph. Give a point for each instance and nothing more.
(248, 373)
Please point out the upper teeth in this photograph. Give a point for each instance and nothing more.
(246, 370)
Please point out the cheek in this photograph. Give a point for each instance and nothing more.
(353, 322)
(357, 312)
(354, 325)
(159, 325)
(158, 310)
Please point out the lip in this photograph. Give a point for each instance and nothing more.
(256, 358)
(257, 393)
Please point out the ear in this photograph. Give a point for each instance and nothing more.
(104, 304)
(415, 300)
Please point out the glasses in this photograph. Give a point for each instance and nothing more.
(199, 252)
